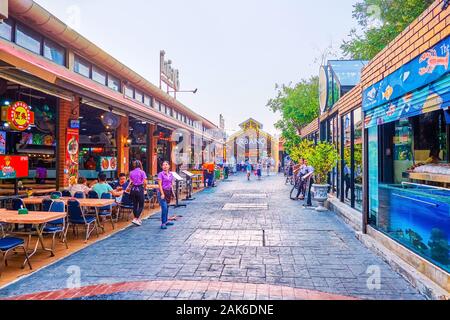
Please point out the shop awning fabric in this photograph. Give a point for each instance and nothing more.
(430, 98)
(59, 75)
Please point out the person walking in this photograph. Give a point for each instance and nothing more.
(137, 187)
(165, 193)
(259, 170)
(248, 168)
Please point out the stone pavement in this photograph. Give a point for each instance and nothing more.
(263, 246)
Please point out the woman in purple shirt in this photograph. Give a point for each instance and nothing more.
(137, 188)
(165, 192)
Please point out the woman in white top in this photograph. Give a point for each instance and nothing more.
(81, 186)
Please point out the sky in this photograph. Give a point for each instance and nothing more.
(233, 51)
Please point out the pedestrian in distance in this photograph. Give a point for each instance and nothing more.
(137, 189)
(249, 170)
(259, 170)
(165, 194)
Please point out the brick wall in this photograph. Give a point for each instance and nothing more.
(67, 111)
(427, 30)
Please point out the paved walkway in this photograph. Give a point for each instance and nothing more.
(264, 246)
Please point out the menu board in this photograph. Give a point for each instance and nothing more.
(108, 164)
(13, 167)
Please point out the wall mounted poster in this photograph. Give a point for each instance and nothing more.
(108, 163)
(73, 150)
(2, 142)
(13, 167)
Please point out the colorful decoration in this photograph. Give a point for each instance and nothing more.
(427, 99)
(108, 163)
(13, 167)
(425, 69)
(2, 142)
(18, 115)
(73, 150)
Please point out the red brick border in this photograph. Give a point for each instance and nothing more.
(273, 292)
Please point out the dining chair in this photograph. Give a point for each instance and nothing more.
(76, 218)
(8, 244)
(106, 211)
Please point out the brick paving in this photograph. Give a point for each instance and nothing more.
(282, 252)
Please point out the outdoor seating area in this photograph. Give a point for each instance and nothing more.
(56, 226)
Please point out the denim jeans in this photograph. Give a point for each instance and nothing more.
(164, 209)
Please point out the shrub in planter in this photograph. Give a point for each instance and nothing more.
(323, 158)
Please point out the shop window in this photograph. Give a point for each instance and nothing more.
(113, 83)
(6, 30)
(358, 158)
(98, 75)
(82, 67)
(28, 39)
(129, 92)
(139, 96)
(409, 198)
(54, 52)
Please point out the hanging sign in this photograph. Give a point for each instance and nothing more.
(72, 153)
(18, 115)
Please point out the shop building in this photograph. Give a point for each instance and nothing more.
(393, 134)
(85, 112)
(252, 144)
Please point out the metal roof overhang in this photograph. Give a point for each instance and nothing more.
(62, 77)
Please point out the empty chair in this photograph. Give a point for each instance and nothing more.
(57, 226)
(66, 194)
(152, 197)
(80, 195)
(125, 207)
(8, 244)
(77, 218)
(46, 204)
(106, 212)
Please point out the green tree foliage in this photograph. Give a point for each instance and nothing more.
(298, 105)
(381, 21)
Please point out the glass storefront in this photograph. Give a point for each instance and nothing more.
(352, 166)
(139, 143)
(27, 133)
(412, 200)
(98, 144)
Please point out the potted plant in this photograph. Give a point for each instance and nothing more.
(323, 158)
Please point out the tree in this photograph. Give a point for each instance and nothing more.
(298, 105)
(381, 21)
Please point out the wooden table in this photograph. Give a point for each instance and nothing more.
(37, 219)
(91, 203)
(10, 192)
(153, 186)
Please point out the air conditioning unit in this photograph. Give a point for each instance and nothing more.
(3, 10)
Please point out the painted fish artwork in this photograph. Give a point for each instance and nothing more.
(427, 68)
(433, 60)
(388, 93)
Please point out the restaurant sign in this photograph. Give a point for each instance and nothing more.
(169, 75)
(13, 167)
(18, 115)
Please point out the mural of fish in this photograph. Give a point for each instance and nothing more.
(388, 93)
(433, 61)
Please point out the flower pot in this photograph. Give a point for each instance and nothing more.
(321, 195)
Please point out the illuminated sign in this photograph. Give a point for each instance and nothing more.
(18, 115)
(13, 167)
